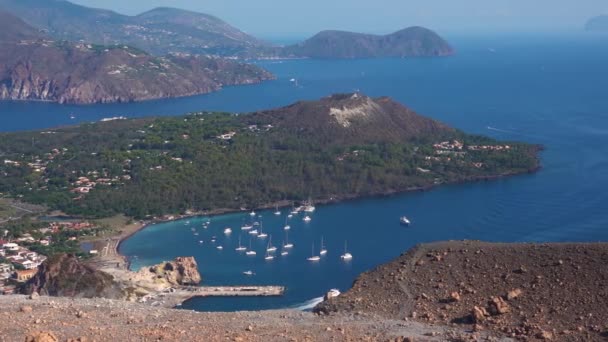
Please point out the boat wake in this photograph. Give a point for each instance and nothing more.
(307, 305)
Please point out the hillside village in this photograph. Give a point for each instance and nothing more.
(21, 253)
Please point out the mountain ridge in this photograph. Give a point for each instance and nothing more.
(351, 118)
(165, 30)
(36, 67)
(68, 21)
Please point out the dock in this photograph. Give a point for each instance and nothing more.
(232, 291)
(176, 296)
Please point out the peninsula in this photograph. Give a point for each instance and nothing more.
(340, 147)
(34, 66)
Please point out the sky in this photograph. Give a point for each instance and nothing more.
(284, 18)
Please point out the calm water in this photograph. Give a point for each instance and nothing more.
(548, 90)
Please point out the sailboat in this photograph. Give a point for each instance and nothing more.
(284, 253)
(248, 273)
(287, 245)
(346, 255)
(252, 213)
(262, 235)
(228, 231)
(270, 247)
(323, 250)
(286, 227)
(250, 252)
(240, 248)
(308, 207)
(313, 257)
(246, 226)
(307, 218)
(277, 211)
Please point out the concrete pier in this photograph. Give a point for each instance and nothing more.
(177, 296)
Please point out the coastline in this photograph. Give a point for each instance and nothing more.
(125, 232)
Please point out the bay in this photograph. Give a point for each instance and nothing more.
(548, 89)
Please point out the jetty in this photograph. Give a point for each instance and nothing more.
(176, 296)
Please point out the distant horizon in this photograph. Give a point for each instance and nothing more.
(269, 20)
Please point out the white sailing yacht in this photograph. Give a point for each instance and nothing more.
(323, 250)
(250, 252)
(307, 218)
(346, 256)
(277, 212)
(240, 248)
(287, 226)
(262, 235)
(313, 257)
(270, 247)
(287, 245)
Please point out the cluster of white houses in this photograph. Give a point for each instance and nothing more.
(20, 266)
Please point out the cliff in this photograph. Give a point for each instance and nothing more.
(34, 67)
(181, 271)
(66, 276)
(409, 42)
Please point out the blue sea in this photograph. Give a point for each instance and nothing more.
(545, 89)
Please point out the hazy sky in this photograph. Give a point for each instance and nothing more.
(302, 17)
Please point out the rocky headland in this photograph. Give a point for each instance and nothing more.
(34, 66)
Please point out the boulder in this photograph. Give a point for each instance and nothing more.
(498, 306)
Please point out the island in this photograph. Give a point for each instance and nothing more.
(409, 42)
(162, 31)
(34, 66)
(599, 23)
(159, 31)
(340, 147)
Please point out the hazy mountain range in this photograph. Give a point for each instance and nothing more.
(168, 30)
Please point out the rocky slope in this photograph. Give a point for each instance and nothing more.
(34, 67)
(181, 271)
(159, 31)
(65, 276)
(351, 118)
(525, 291)
(599, 23)
(409, 42)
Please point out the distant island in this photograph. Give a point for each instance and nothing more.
(34, 66)
(340, 147)
(160, 31)
(163, 31)
(409, 42)
(599, 23)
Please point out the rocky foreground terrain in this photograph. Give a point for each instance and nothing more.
(50, 319)
(524, 291)
(449, 291)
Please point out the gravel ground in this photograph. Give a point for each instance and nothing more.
(88, 320)
(524, 291)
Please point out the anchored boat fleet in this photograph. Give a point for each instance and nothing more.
(286, 246)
